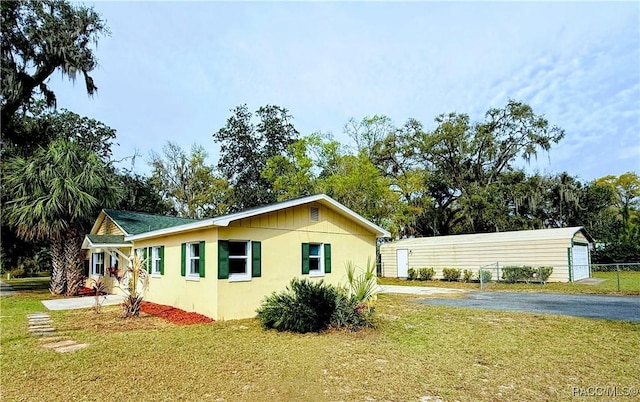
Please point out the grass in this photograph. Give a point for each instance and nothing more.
(629, 285)
(35, 283)
(416, 352)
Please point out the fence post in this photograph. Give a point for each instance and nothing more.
(618, 275)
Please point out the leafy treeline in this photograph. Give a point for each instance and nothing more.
(459, 177)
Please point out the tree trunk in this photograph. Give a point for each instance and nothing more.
(57, 285)
(73, 263)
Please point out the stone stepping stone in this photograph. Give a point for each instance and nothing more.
(71, 348)
(55, 345)
(47, 330)
(41, 328)
(38, 315)
(40, 322)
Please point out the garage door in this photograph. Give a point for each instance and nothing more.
(580, 262)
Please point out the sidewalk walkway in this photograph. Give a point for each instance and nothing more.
(81, 302)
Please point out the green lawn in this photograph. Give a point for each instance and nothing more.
(629, 284)
(35, 283)
(415, 352)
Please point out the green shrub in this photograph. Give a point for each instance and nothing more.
(467, 275)
(450, 274)
(484, 276)
(304, 306)
(544, 273)
(426, 274)
(349, 313)
(412, 274)
(517, 273)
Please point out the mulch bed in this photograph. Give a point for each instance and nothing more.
(174, 315)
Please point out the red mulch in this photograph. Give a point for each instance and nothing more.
(174, 315)
(86, 292)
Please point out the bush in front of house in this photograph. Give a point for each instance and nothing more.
(544, 273)
(306, 306)
(467, 275)
(426, 274)
(526, 274)
(450, 274)
(484, 276)
(412, 274)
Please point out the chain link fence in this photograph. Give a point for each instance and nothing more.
(513, 274)
(620, 277)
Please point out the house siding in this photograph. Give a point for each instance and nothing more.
(108, 227)
(281, 234)
(172, 288)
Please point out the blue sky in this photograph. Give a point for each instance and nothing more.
(171, 71)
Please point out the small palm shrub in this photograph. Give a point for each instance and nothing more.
(426, 274)
(450, 274)
(303, 307)
(133, 283)
(351, 314)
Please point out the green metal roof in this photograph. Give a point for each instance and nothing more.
(107, 239)
(134, 223)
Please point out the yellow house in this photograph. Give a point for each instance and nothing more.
(223, 267)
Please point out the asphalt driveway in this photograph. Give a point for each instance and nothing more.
(626, 308)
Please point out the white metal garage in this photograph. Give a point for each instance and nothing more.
(565, 249)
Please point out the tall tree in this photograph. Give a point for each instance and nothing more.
(38, 38)
(187, 183)
(459, 165)
(245, 148)
(53, 195)
(141, 195)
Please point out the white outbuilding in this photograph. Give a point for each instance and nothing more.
(564, 249)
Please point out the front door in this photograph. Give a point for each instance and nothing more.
(402, 258)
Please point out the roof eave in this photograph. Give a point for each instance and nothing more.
(188, 227)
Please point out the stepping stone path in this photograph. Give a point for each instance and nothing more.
(41, 325)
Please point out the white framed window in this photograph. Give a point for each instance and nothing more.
(156, 260)
(193, 259)
(316, 266)
(316, 259)
(97, 264)
(239, 260)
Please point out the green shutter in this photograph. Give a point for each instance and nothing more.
(161, 260)
(256, 259)
(223, 259)
(327, 258)
(183, 259)
(201, 261)
(147, 259)
(305, 258)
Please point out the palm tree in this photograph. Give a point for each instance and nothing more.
(53, 196)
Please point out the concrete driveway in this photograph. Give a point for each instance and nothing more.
(626, 308)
